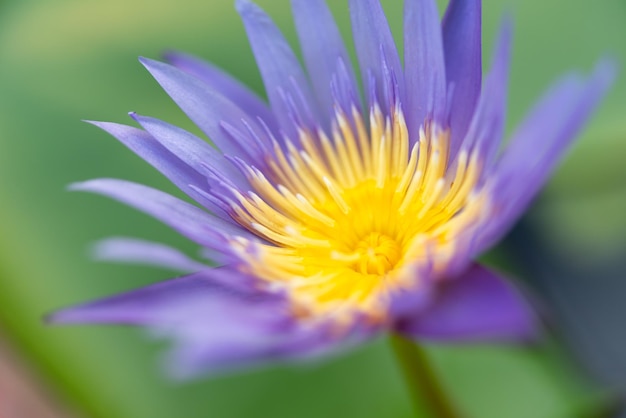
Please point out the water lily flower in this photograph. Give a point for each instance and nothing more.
(339, 209)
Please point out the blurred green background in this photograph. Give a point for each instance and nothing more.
(66, 60)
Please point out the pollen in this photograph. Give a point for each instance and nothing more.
(347, 218)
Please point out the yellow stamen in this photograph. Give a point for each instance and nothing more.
(348, 219)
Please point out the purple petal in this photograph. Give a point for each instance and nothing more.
(241, 342)
(192, 150)
(323, 48)
(136, 251)
(425, 69)
(217, 322)
(377, 53)
(211, 111)
(138, 307)
(344, 91)
(167, 163)
(239, 337)
(462, 48)
(156, 303)
(185, 218)
(479, 305)
(224, 84)
(285, 83)
(487, 127)
(410, 300)
(538, 144)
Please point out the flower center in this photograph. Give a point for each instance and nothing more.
(346, 221)
(378, 254)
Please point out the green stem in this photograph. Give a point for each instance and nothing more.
(425, 388)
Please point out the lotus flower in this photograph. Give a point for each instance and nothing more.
(338, 211)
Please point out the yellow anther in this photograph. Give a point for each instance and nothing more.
(350, 216)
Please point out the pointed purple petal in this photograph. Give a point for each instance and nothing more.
(217, 322)
(538, 144)
(377, 52)
(479, 305)
(153, 304)
(487, 127)
(224, 84)
(136, 251)
(425, 70)
(243, 343)
(192, 150)
(323, 48)
(251, 336)
(210, 110)
(462, 48)
(185, 218)
(281, 72)
(167, 163)
(138, 307)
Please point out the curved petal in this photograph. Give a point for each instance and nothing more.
(409, 300)
(323, 50)
(195, 152)
(224, 84)
(377, 53)
(285, 83)
(424, 64)
(537, 146)
(217, 322)
(153, 304)
(185, 218)
(166, 162)
(463, 56)
(251, 338)
(487, 127)
(136, 251)
(479, 305)
(212, 112)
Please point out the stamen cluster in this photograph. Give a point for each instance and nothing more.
(349, 214)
